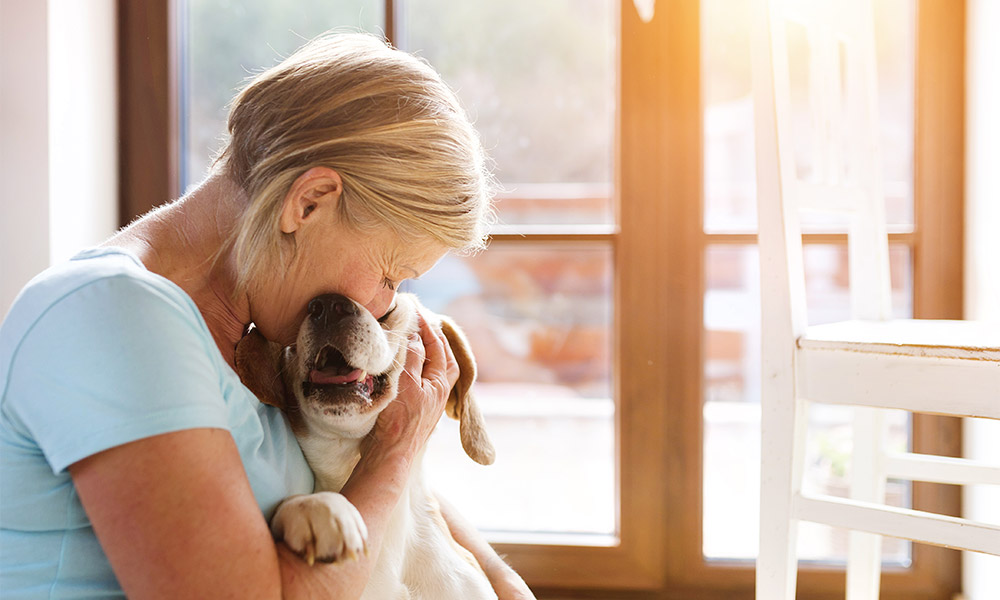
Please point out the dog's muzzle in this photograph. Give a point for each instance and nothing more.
(328, 370)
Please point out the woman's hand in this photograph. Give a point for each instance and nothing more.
(430, 371)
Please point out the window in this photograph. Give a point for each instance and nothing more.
(617, 302)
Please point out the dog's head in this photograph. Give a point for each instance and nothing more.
(345, 366)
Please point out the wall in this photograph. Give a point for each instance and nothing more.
(83, 127)
(24, 145)
(58, 156)
(981, 579)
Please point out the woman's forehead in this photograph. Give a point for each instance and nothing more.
(415, 257)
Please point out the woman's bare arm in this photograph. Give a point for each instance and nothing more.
(177, 519)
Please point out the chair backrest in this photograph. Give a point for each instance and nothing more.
(815, 92)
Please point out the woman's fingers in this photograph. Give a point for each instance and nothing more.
(439, 359)
(429, 371)
(414, 366)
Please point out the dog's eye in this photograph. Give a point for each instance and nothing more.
(387, 313)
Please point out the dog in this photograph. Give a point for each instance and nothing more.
(332, 384)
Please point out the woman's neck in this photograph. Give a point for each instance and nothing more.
(186, 241)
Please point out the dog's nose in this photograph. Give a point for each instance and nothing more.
(331, 307)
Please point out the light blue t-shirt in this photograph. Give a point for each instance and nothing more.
(95, 353)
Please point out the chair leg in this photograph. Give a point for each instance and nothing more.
(864, 554)
(777, 559)
(782, 443)
(864, 565)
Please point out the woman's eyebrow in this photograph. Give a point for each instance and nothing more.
(411, 270)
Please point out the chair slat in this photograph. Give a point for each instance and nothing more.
(961, 388)
(941, 469)
(914, 525)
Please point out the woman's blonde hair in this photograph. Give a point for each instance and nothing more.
(384, 120)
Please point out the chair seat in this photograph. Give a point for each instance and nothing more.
(932, 338)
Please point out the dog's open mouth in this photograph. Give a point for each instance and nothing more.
(332, 372)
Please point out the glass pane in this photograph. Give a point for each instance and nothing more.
(729, 170)
(895, 43)
(539, 321)
(827, 292)
(224, 42)
(732, 402)
(539, 80)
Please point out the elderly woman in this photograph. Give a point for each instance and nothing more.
(133, 460)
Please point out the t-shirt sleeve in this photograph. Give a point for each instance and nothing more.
(114, 361)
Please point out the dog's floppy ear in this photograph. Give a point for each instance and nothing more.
(258, 363)
(461, 404)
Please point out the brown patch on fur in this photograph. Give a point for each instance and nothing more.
(260, 366)
(257, 363)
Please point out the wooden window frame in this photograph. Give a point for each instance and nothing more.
(659, 249)
(148, 124)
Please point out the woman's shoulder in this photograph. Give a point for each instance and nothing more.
(97, 281)
(99, 351)
(101, 309)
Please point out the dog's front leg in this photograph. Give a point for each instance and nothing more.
(324, 526)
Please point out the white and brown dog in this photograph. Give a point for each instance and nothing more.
(332, 385)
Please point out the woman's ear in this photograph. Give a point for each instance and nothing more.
(317, 191)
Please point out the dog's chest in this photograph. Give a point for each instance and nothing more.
(332, 461)
(418, 560)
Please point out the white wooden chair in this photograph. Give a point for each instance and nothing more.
(871, 362)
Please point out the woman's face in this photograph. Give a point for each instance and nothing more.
(364, 266)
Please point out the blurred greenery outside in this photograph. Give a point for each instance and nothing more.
(539, 87)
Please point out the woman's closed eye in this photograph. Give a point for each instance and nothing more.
(389, 283)
(387, 313)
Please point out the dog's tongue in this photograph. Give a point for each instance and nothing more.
(327, 378)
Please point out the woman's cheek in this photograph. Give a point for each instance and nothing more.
(381, 302)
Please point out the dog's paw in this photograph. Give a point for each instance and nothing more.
(323, 526)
